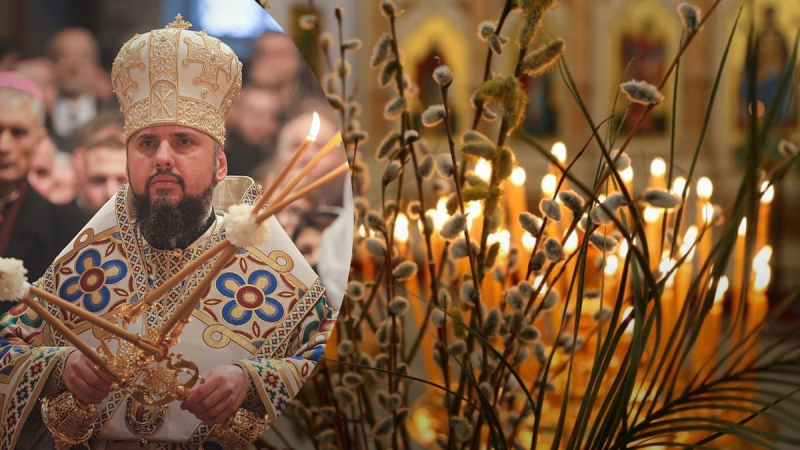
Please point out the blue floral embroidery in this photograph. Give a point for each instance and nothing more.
(93, 280)
(248, 298)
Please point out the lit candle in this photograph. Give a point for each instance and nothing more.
(684, 273)
(668, 304)
(610, 279)
(627, 178)
(658, 168)
(738, 278)
(757, 306)
(706, 350)
(517, 203)
(652, 231)
(492, 288)
(678, 188)
(367, 268)
(768, 193)
(549, 183)
(559, 151)
(401, 230)
(705, 215)
(528, 243)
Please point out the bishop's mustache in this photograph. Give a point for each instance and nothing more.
(178, 178)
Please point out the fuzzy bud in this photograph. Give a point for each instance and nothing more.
(411, 136)
(405, 270)
(454, 226)
(433, 115)
(374, 221)
(444, 165)
(538, 261)
(539, 352)
(352, 379)
(388, 145)
(460, 250)
(528, 334)
(659, 198)
(468, 292)
(355, 290)
(605, 244)
(787, 149)
(344, 396)
(492, 322)
(438, 318)
(398, 306)
(642, 92)
(457, 348)
(394, 108)
(346, 348)
(443, 75)
(480, 149)
(388, 72)
(530, 223)
(543, 58)
(381, 50)
(572, 201)
(391, 171)
(486, 29)
(550, 209)
(690, 16)
(602, 315)
(376, 247)
(462, 430)
(621, 160)
(383, 428)
(388, 8)
(426, 167)
(554, 250)
(550, 300)
(352, 44)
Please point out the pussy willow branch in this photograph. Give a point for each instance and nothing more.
(487, 70)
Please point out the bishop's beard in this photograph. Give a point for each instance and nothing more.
(168, 224)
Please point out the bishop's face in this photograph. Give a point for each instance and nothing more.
(170, 162)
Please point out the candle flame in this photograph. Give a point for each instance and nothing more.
(559, 150)
(611, 266)
(705, 188)
(401, 228)
(314, 131)
(651, 215)
(518, 176)
(483, 169)
(539, 283)
(707, 213)
(528, 241)
(722, 288)
(572, 242)
(688, 241)
(658, 167)
(627, 175)
(762, 258)
(665, 266)
(628, 312)
(549, 183)
(678, 186)
(623, 248)
(767, 192)
(743, 227)
(503, 237)
(362, 231)
(763, 276)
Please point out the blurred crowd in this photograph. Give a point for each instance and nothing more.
(80, 163)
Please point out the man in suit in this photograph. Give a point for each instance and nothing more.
(31, 228)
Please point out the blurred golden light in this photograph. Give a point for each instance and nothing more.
(767, 192)
(705, 188)
(627, 175)
(314, 131)
(549, 183)
(763, 276)
(528, 241)
(678, 186)
(612, 264)
(762, 258)
(658, 167)
(722, 288)
(743, 227)
(651, 215)
(559, 150)
(518, 176)
(401, 228)
(483, 169)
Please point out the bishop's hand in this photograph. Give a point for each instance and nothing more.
(90, 385)
(222, 393)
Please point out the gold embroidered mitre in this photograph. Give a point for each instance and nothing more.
(175, 76)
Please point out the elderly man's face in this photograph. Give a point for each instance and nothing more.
(75, 55)
(19, 135)
(169, 162)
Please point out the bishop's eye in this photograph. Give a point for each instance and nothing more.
(184, 141)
